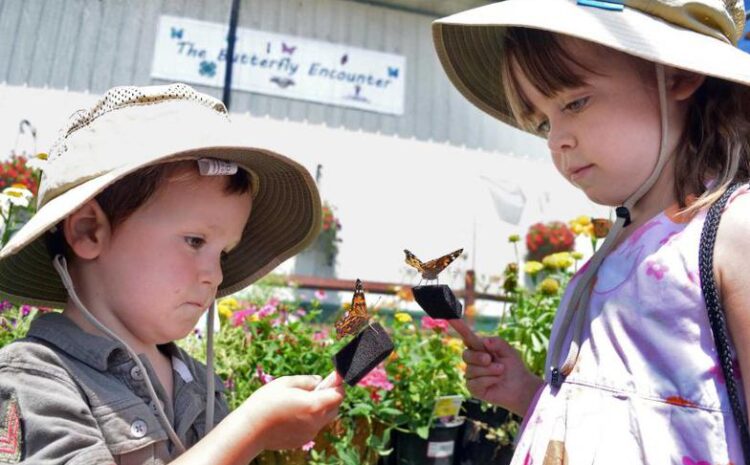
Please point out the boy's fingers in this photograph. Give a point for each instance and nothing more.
(306, 382)
(332, 380)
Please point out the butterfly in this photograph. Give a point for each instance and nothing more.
(601, 227)
(288, 48)
(431, 269)
(356, 317)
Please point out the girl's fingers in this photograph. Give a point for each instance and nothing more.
(479, 386)
(472, 357)
(493, 370)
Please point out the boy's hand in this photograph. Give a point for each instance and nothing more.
(288, 412)
(498, 375)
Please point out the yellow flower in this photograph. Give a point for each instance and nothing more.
(42, 156)
(227, 306)
(532, 267)
(513, 238)
(402, 317)
(254, 318)
(549, 286)
(558, 261)
(576, 255)
(455, 345)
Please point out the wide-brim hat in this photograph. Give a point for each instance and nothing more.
(134, 127)
(694, 35)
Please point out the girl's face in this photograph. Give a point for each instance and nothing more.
(161, 267)
(604, 136)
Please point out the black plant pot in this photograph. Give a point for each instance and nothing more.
(473, 447)
(438, 449)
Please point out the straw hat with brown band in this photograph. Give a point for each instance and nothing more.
(694, 35)
(130, 128)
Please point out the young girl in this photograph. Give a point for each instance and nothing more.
(645, 107)
(150, 206)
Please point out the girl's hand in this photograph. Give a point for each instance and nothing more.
(498, 375)
(288, 412)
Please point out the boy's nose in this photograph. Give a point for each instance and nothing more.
(212, 273)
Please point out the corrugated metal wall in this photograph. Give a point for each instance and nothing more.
(91, 45)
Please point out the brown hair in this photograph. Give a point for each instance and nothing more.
(714, 147)
(126, 195)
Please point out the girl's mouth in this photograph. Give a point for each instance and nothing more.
(576, 174)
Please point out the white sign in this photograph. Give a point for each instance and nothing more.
(194, 51)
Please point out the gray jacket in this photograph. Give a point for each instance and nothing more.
(70, 397)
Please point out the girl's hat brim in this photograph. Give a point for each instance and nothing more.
(470, 44)
(286, 209)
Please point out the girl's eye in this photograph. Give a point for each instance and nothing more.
(577, 105)
(194, 242)
(543, 127)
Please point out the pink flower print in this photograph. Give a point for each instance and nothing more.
(689, 461)
(717, 372)
(657, 270)
(694, 278)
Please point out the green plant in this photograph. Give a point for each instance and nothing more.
(15, 321)
(425, 365)
(264, 339)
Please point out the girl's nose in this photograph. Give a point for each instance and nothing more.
(560, 139)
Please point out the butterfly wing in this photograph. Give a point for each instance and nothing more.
(434, 267)
(412, 260)
(356, 317)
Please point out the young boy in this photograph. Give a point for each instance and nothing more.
(149, 208)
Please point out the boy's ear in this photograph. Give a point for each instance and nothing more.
(87, 230)
(683, 84)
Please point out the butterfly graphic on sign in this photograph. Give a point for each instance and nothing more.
(282, 81)
(392, 72)
(207, 68)
(430, 270)
(175, 33)
(356, 317)
(288, 49)
(344, 58)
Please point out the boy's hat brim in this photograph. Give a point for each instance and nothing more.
(286, 210)
(470, 44)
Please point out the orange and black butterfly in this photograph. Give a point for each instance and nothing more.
(356, 317)
(431, 269)
(601, 227)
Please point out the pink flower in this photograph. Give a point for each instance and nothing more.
(657, 270)
(377, 378)
(308, 446)
(437, 325)
(320, 294)
(321, 336)
(264, 377)
(239, 317)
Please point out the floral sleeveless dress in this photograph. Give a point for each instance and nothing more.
(647, 387)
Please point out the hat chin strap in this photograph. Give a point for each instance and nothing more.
(62, 269)
(577, 307)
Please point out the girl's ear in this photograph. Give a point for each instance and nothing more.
(683, 84)
(87, 230)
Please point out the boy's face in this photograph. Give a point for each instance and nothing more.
(161, 267)
(604, 137)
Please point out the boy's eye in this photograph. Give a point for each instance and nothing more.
(194, 242)
(577, 105)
